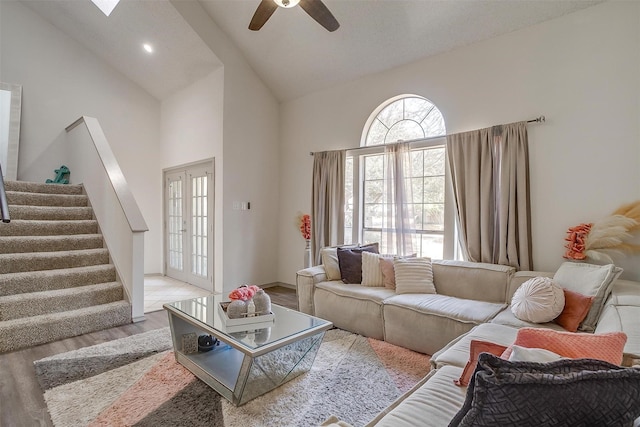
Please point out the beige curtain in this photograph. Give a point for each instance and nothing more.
(327, 201)
(490, 175)
(397, 216)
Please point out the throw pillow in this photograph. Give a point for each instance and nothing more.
(576, 307)
(414, 276)
(329, 257)
(350, 261)
(591, 280)
(562, 393)
(540, 355)
(371, 271)
(475, 348)
(538, 300)
(575, 345)
(388, 273)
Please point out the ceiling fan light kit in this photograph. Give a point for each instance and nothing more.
(287, 3)
(315, 8)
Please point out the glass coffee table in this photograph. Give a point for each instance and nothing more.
(250, 359)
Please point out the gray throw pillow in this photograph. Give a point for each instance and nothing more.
(350, 262)
(567, 392)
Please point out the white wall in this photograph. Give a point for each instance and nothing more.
(251, 162)
(61, 81)
(191, 128)
(582, 71)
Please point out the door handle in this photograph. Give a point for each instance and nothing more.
(184, 229)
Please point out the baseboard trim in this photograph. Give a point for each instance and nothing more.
(274, 284)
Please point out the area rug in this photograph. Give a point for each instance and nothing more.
(136, 381)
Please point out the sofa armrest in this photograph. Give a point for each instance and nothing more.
(306, 281)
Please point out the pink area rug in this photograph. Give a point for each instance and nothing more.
(352, 377)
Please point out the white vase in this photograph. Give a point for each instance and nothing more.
(307, 254)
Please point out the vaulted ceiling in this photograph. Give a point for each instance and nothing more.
(292, 54)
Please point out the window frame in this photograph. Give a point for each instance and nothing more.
(357, 219)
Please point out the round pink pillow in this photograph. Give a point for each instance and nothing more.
(538, 300)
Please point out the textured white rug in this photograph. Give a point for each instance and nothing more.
(353, 377)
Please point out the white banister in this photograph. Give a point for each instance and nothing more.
(93, 164)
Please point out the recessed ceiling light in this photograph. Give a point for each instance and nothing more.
(106, 6)
(147, 47)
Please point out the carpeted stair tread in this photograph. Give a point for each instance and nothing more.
(20, 244)
(37, 187)
(25, 227)
(33, 261)
(63, 278)
(26, 332)
(37, 303)
(50, 213)
(41, 199)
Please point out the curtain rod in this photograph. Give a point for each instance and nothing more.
(540, 119)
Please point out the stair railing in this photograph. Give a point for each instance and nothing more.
(4, 205)
(93, 164)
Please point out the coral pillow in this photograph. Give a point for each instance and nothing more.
(608, 346)
(475, 348)
(538, 300)
(576, 308)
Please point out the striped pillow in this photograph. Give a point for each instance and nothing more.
(414, 276)
(371, 271)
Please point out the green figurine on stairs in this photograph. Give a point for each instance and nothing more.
(60, 176)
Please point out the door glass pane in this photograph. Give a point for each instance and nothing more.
(175, 224)
(199, 229)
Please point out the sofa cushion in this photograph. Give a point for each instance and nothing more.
(434, 404)
(625, 292)
(456, 353)
(472, 280)
(413, 276)
(464, 310)
(625, 318)
(350, 261)
(575, 392)
(590, 280)
(375, 294)
(506, 317)
(354, 308)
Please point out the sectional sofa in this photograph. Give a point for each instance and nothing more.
(471, 303)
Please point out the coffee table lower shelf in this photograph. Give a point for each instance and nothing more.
(240, 376)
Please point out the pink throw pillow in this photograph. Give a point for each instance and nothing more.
(608, 346)
(388, 272)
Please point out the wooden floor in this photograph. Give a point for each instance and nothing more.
(21, 398)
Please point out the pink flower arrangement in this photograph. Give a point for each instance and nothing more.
(244, 292)
(577, 236)
(305, 226)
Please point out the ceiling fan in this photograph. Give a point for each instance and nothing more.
(315, 8)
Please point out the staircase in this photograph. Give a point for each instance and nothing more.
(55, 277)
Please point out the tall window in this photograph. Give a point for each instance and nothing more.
(405, 118)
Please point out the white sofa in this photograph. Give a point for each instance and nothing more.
(472, 302)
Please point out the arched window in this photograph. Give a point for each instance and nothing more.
(406, 118)
(402, 118)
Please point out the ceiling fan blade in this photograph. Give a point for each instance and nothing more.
(262, 14)
(318, 11)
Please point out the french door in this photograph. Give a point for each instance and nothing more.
(188, 220)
